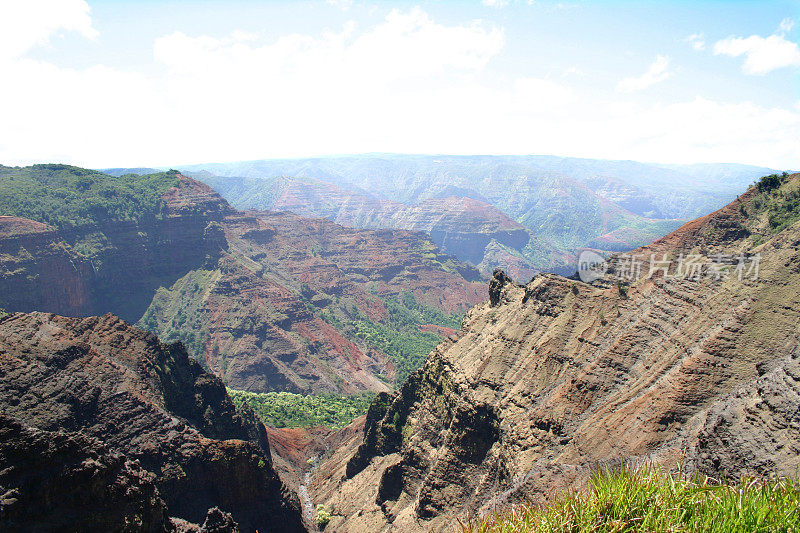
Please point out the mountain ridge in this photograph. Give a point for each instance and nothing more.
(118, 404)
(268, 301)
(555, 378)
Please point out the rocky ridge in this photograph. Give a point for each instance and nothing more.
(465, 226)
(106, 428)
(552, 379)
(264, 317)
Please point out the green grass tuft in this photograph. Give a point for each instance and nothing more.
(646, 499)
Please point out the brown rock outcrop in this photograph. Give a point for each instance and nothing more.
(110, 403)
(58, 481)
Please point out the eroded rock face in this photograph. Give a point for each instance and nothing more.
(146, 414)
(58, 481)
(121, 263)
(498, 281)
(261, 315)
(39, 270)
(553, 379)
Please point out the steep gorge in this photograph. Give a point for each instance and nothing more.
(461, 223)
(552, 379)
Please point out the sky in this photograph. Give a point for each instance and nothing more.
(157, 83)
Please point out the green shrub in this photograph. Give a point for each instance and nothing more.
(323, 516)
(623, 289)
(767, 183)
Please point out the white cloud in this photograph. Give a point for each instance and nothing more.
(406, 84)
(655, 74)
(572, 71)
(697, 41)
(405, 45)
(495, 3)
(786, 26)
(532, 94)
(762, 54)
(27, 23)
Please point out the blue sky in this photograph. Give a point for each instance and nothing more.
(109, 83)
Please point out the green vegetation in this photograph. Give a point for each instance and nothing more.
(65, 196)
(623, 290)
(778, 200)
(649, 500)
(285, 409)
(399, 336)
(323, 516)
(773, 181)
(175, 314)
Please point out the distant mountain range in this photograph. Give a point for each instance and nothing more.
(521, 213)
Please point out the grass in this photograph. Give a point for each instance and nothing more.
(648, 500)
(285, 409)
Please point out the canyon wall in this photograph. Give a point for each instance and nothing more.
(550, 380)
(116, 430)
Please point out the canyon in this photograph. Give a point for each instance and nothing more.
(684, 353)
(550, 380)
(268, 301)
(524, 214)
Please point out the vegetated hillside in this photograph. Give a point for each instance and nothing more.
(78, 242)
(105, 428)
(268, 301)
(65, 196)
(550, 380)
(469, 228)
(565, 202)
(308, 306)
